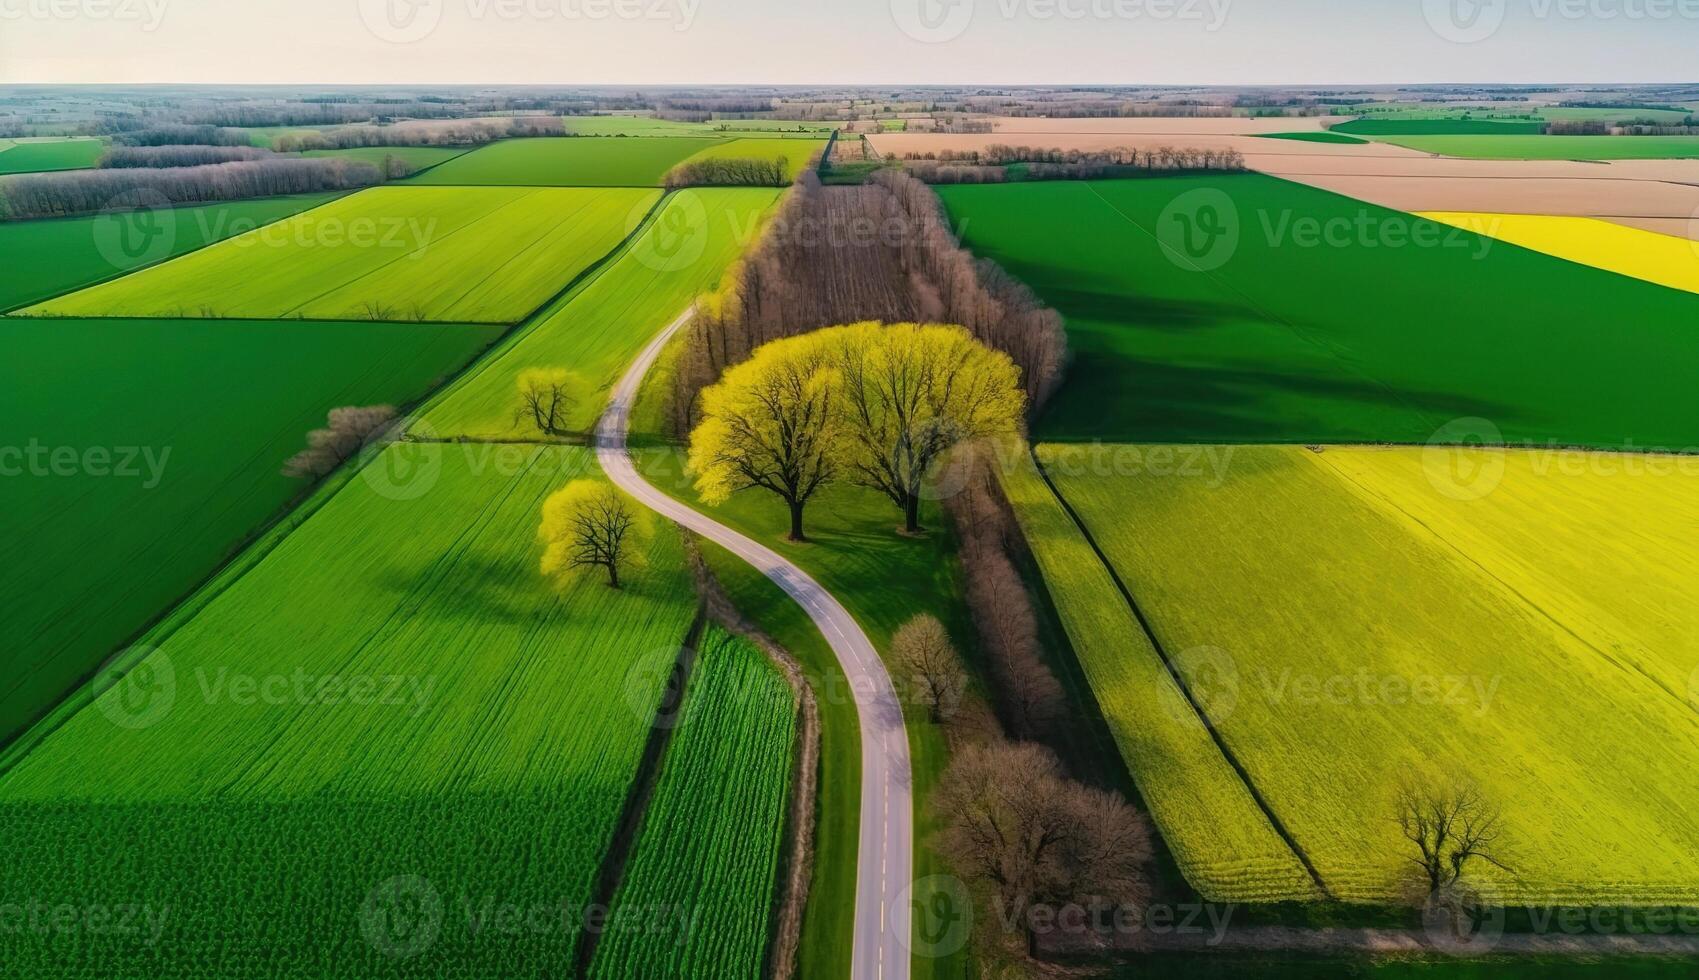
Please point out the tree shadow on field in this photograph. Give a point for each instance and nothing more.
(1120, 397)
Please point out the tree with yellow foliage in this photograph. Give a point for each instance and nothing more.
(910, 393)
(588, 524)
(770, 423)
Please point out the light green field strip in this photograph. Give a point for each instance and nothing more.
(596, 331)
(1359, 649)
(714, 828)
(475, 255)
(1222, 841)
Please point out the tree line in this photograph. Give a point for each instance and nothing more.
(91, 191)
(184, 135)
(834, 255)
(124, 157)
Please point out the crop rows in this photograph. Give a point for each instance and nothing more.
(698, 892)
(394, 694)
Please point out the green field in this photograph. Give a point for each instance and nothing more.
(479, 255)
(53, 256)
(1437, 127)
(797, 152)
(443, 722)
(416, 157)
(713, 832)
(1664, 117)
(1318, 321)
(569, 162)
(1337, 640)
(1321, 136)
(597, 330)
(1553, 147)
(32, 155)
(209, 411)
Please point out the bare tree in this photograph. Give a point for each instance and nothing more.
(922, 647)
(587, 525)
(545, 398)
(347, 431)
(1014, 825)
(1450, 828)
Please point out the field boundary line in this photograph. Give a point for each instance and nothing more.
(1180, 682)
(510, 337)
(633, 813)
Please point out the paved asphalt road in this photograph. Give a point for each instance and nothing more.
(882, 917)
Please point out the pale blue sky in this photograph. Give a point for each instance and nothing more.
(838, 41)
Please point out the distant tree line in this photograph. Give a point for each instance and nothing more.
(989, 166)
(90, 191)
(881, 252)
(183, 135)
(474, 133)
(120, 157)
(730, 172)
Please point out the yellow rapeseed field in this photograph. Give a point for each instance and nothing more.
(1663, 259)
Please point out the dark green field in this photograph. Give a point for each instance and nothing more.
(1310, 317)
(54, 256)
(1320, 136)
(139, 454)
(34, 156)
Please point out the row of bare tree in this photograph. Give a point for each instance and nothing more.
(882, 251)
(184, 135)
(730, 172)
(1022, 835)
(123, 157)
(1029, 697)
(91, 191)
(1155, 158)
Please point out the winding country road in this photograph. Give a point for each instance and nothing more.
(886, 858)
